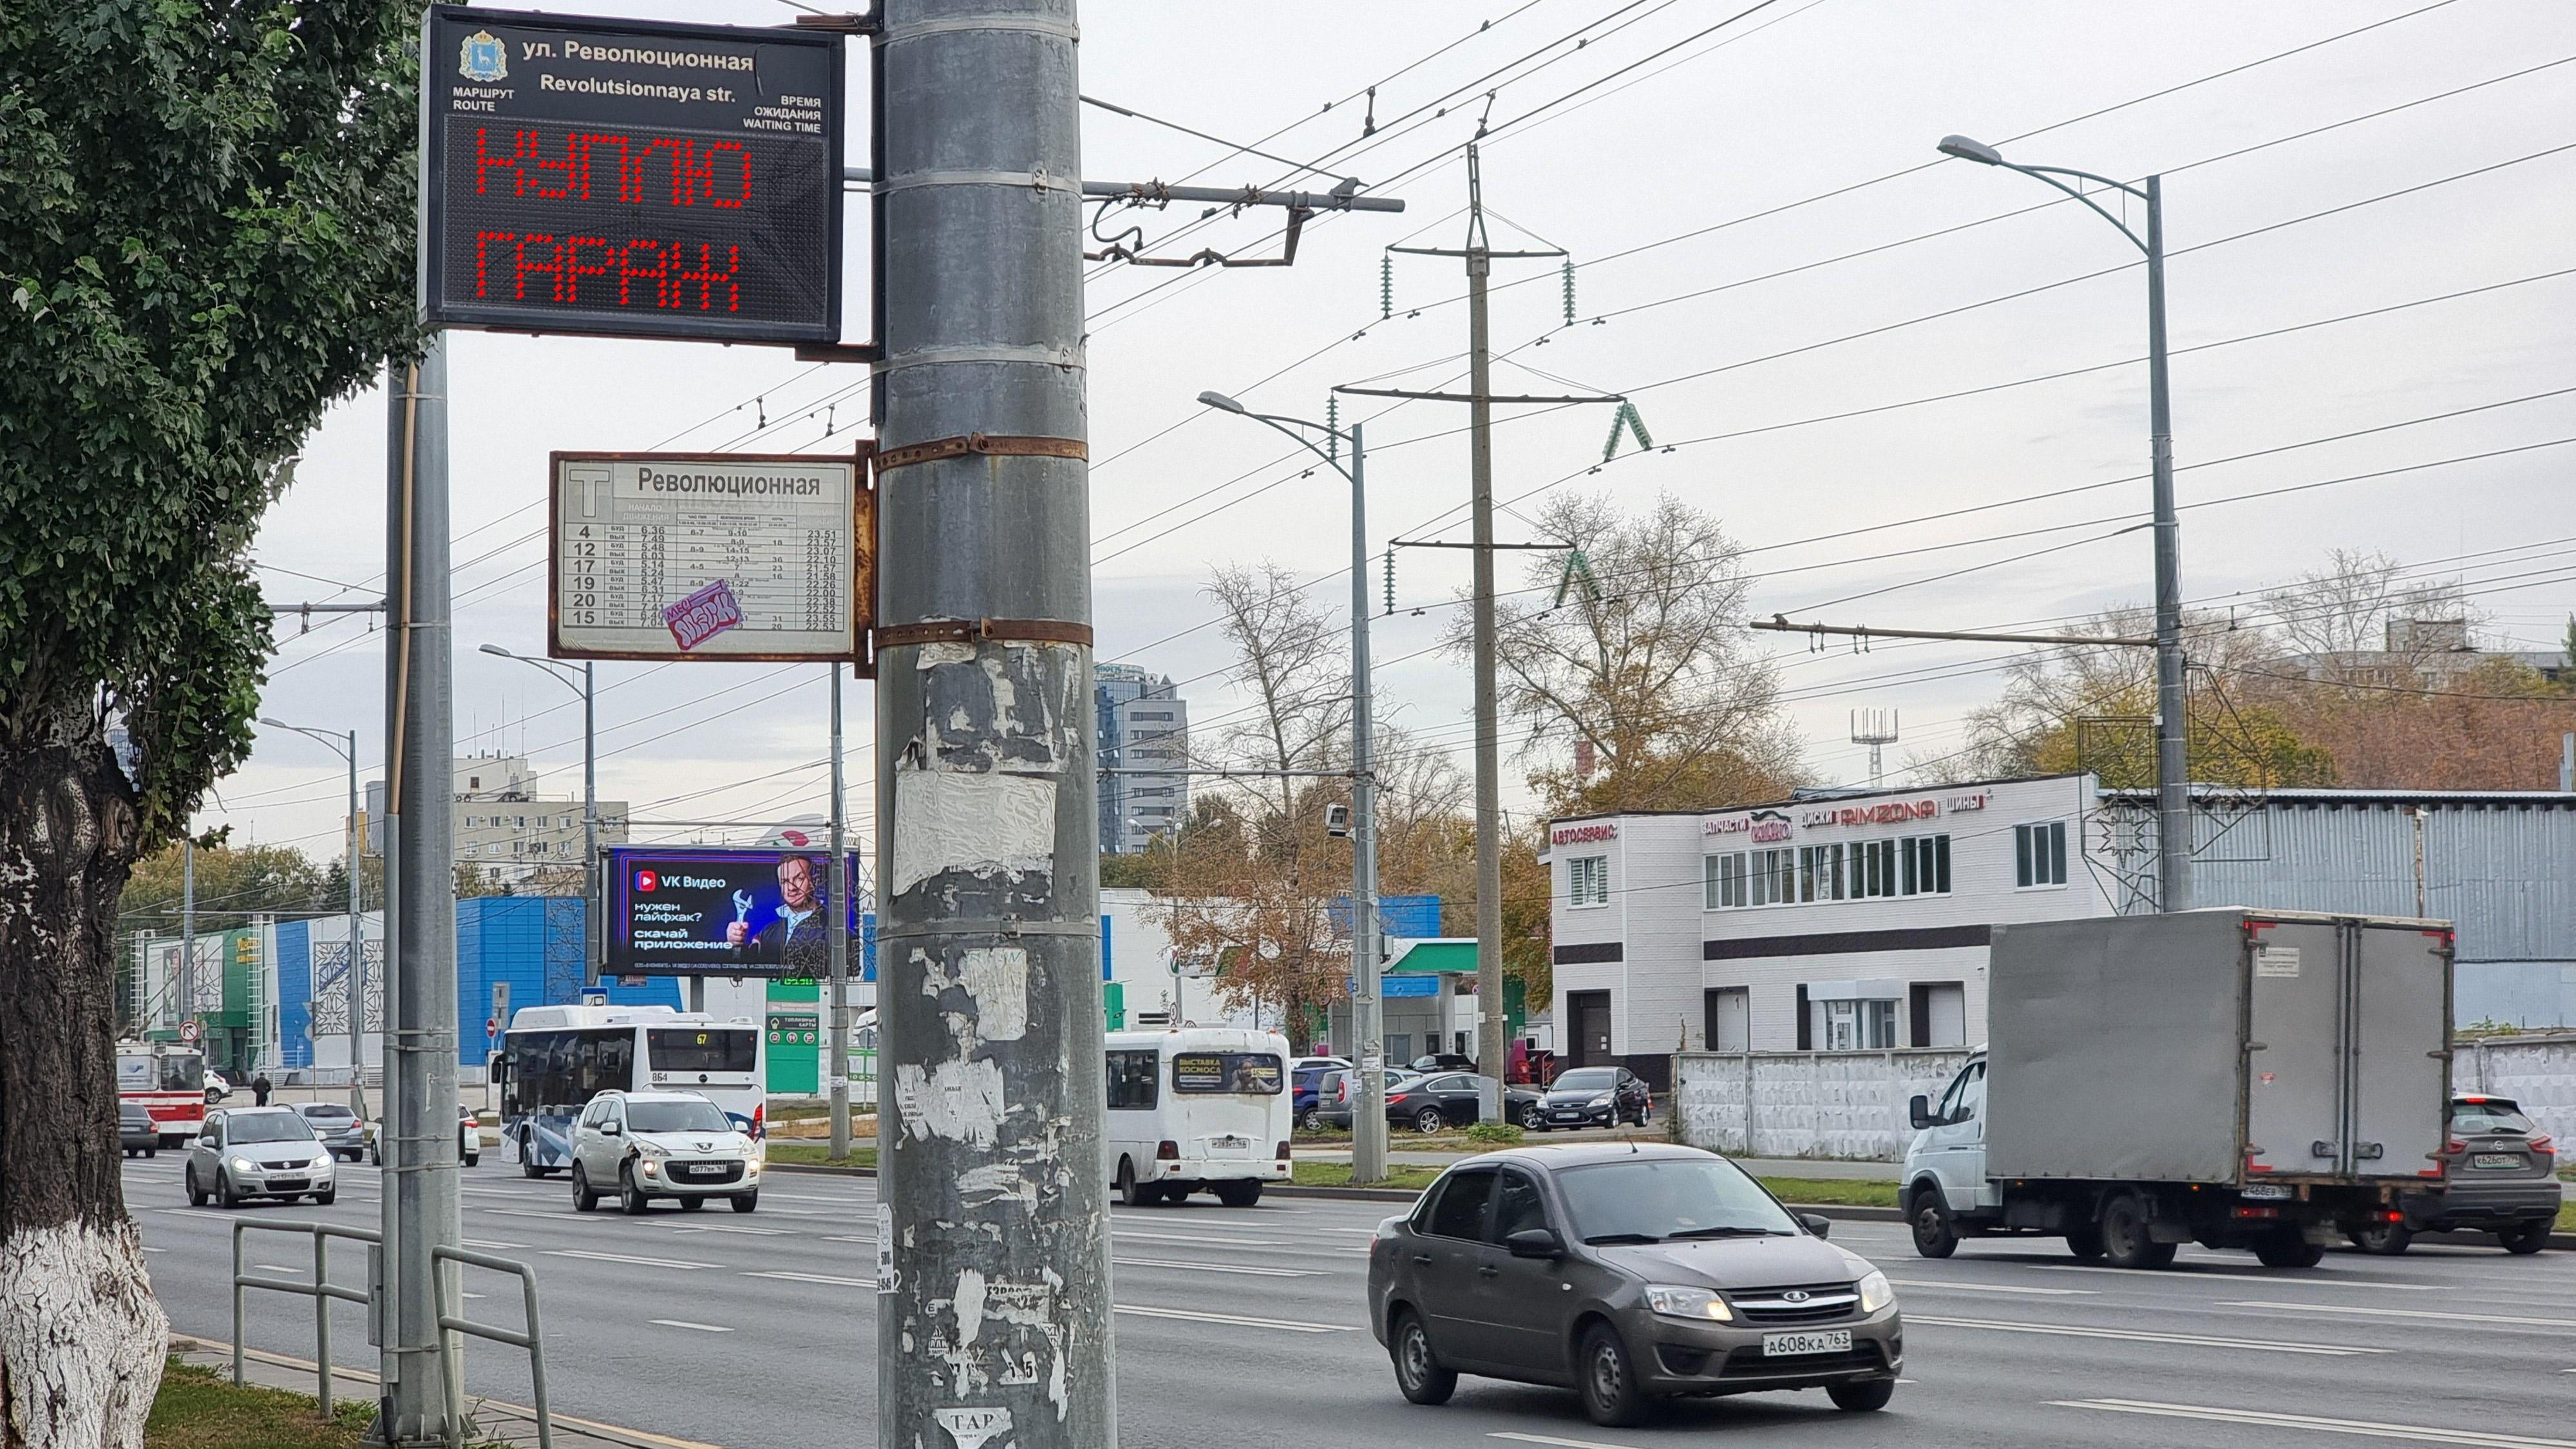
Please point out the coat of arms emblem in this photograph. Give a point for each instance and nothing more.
(484, 58)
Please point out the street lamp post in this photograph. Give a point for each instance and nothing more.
(2173, 779)
(590, 891)
(357, 943)
(1368, 1114)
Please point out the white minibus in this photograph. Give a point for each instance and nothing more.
(1196, 1108)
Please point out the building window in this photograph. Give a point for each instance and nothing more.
(1587, 880)
(1842, 1026)
(1775, 877)
(1820, 872)
(1726, 883)
(1926, 860)
(1873, 869)
(2039, 854)
(1878, 1025)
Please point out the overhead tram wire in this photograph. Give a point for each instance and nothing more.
(2042, 130)
(2018, 211)
(1961, 393)
(1947, 312)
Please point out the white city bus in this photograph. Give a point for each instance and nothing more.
(1196, 1107)
(554, 1059)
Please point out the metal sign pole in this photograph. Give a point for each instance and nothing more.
(418, 1136)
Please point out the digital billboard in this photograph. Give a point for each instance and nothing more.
(705, 911)
(631, 178)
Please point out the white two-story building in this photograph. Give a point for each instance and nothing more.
(1858, 920)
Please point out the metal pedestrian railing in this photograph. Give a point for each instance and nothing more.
(321, 1290)
(451, 1319)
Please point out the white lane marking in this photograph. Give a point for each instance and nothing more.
(2277, 1279)
(1563, 1443)
(1218, 1268)
(2132, 1335)
(489, 1243)
(729, 1228)
(473, 1295)
(628, 1258)
(869, 1239)
(1202, 1241)
(164, 1250)
(553, 1217)
(2364, 1427)
(1284, 1325)
(823, 1278)
(1940, 1287)
(684, 1323)
(277, 1267)
(2349, 1310)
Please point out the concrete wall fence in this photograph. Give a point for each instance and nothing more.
(1851, 1105)
(1806, 1104)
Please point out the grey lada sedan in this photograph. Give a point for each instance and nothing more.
(1630, 1273)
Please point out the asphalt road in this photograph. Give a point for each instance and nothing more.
(1245, 1328)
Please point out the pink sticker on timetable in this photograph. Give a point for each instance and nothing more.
(703, 615)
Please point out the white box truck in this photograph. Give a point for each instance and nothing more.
(2236, 1078)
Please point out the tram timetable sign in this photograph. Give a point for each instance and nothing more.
(631, 178)
(672, 556)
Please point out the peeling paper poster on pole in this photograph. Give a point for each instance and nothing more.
(886, 1278)
(703, 615)
(973, 1428)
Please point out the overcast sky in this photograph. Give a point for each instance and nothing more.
(1748, 166)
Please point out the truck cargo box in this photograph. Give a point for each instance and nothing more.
(2220, 1046)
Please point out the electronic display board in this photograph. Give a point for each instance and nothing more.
(703, 911)
(741, 557)
(631, 178)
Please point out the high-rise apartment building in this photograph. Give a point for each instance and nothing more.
(1144, 726)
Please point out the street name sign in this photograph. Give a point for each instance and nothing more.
(631, 178)
(741, 557)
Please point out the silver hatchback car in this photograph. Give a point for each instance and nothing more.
(247, 1152)
(1631, 1273)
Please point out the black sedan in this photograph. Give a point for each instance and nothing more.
(1594, 1097)
(1629, 1272)
(135, 1131)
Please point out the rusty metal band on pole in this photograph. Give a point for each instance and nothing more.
(987, 443)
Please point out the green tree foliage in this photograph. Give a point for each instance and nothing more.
(233, 886)
(205, 237)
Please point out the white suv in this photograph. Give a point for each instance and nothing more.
(258, 1152)
(644, 1145)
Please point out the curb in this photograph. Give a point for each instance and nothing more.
(1839, 1212)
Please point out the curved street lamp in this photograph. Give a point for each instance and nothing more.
(347, 749)
(1368, 1112)
(2173, 787)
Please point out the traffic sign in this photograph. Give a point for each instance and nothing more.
(631, 178)
(188, 1030)
(675, 556)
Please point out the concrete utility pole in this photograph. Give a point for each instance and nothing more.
(993, 1321)
(2173, 771)
(836, 906)
(1368, 1014)
(1493, 1056)
(357, 949)
(187, 936)
(419, 1132)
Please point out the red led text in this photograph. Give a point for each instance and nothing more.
(715, 172)
(643, 272)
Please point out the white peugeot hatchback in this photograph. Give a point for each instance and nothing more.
(644, 1145)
